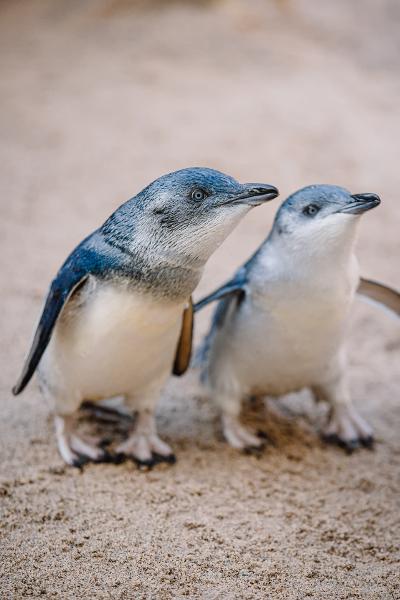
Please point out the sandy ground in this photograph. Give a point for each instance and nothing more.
(98, 98)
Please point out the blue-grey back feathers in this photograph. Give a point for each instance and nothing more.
(89, 258)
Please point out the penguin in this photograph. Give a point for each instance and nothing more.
(280, 322)
(118, 315)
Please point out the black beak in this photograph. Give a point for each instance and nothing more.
(255, 193)
(362, 203)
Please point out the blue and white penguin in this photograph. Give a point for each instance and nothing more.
(117, 319)
(280, 322)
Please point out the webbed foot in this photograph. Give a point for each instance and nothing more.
(348, 430)
(77, 451)
(144, 446)
(241, 438)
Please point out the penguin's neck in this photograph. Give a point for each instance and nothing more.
(285, 259)
(149, 268)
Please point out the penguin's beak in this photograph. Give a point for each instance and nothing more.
(254, 194)
(361, 203)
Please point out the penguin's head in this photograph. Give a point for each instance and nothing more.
(185, 215)
(321, 216)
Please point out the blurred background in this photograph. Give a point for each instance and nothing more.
(98, 98)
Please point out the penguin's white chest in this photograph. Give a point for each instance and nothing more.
(288, 341)
(116, 342)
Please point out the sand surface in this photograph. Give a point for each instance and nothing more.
(97, 99)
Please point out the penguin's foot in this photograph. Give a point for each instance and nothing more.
(347, 429)
(145, 450)
(144, 446)
(75, 450)
(239, 437)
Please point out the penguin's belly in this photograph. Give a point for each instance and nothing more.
(116, 342)
(290, 347)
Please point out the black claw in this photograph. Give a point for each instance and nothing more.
(254, 450)
(331, 438)
(80, 462)
(350, 445)
(368, 442)
(154, 460)
(119, 458)
(106, 457)
(160, 458)
(148, 463)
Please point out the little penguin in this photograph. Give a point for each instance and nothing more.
(280, 322)
(118, 316)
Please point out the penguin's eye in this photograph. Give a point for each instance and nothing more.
(310, 210)
(198, 195)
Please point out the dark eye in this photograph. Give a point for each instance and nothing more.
(198, 195)
(311, 210)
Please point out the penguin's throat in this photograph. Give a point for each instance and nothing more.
(324, 249)
(152, 270)
(159, 280)
(300, 260)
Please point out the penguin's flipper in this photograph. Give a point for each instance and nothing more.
(380, 294)
(235, 287)
(62, 288)
(229, 296)
(184, 348)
